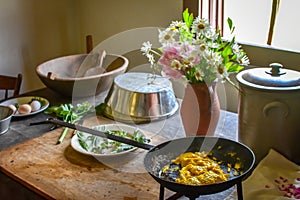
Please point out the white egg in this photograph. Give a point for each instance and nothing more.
(13, 107)
(24, 109)
(35, 105)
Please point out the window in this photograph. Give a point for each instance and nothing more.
(287, 29)
(252, 20)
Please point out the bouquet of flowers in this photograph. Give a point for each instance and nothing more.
(193, 51)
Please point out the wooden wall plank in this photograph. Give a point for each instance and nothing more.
(192, 5)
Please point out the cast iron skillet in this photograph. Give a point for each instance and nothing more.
(157, 157)
(224, 150)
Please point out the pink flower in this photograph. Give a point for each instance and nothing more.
(171, 73)
(169, 54)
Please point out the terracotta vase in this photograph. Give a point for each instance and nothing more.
(200, 109)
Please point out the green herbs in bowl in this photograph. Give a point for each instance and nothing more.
(97, 146)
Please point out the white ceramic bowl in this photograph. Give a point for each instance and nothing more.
(62, 74)
(75, 143)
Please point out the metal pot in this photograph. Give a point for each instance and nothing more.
(137, 97)
(269, 108)
(5, 116)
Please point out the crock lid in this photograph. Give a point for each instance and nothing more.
(274, 77)
(143, 82)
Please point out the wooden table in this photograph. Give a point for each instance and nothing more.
(28, 169)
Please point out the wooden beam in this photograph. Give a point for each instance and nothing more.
(274, 13)
(192, 5)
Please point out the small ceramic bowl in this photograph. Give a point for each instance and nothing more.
(5, 116)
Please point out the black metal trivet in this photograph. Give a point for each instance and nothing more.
(178, 195)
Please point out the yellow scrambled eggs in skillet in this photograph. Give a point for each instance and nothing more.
(198, 169)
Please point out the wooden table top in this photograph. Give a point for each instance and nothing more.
(26, 151)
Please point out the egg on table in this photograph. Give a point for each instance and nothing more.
(24, 109)
(35, 105)
(13, 107)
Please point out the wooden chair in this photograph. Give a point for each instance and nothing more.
(89, 43)
(10, 83)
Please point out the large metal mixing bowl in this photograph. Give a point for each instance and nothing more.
(140, 98)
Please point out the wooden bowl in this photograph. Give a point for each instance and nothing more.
(61, 75)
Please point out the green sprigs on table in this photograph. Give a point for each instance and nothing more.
(99, 145)
(69, 113)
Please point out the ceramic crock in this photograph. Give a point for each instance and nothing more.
(269, 111)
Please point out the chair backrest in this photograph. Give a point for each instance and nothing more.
(10, 83)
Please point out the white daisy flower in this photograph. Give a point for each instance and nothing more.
(244, 60)
(200, 26)
(236, 48)
(166, 36)
(199, 75)
(222, 73)
(222, 70)
(211, 34)
(150, 58)
(213, 45)
(176, 64)
(146, 48)
(202, 47)
(178, 25)
(217, 58)
(188, 60)
(214, 59)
